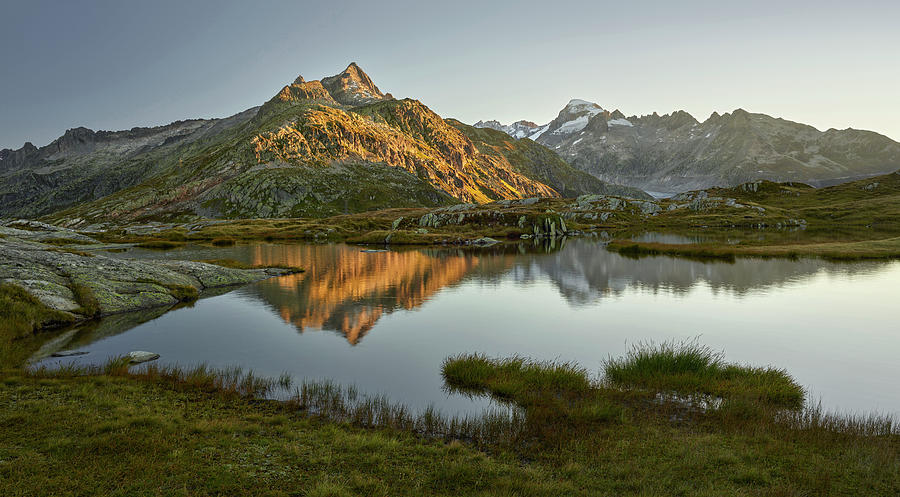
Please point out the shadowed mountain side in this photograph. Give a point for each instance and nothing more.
(676, 152)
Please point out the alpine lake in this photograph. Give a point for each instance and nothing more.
(384, 320)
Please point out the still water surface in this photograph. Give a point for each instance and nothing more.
(384, 321)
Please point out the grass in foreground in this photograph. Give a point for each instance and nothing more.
(21, 315)
(163, 431)
(110, 435)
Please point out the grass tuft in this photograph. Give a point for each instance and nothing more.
(558, 397)
(85, 297)
(63, 241)
(160, 244)
(184, 293)
(689, 368)
(514, 378)
(223, 242)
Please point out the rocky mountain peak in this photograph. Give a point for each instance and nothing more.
(574, 117)
(492, 124)
(74, 139)
(577, 105)
(518, 129)
(13, 159)
(680, 118)
(353, 87)
(299, 80)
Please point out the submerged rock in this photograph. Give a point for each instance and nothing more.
(68, 353)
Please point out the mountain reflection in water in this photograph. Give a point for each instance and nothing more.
(347, 290)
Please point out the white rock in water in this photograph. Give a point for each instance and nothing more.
(139, 356)
(485, 241)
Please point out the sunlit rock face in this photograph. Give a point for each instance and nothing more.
(353, 87)
(399, 133)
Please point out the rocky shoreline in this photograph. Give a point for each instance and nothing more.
(89, 284)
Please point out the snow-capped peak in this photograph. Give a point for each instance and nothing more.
(518, 129)
(578, 106)
(572, 118)
(575, 116)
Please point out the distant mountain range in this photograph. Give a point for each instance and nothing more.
(676, 152)
(317, 148)
(341, 145)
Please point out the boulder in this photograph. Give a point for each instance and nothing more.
(139, 356)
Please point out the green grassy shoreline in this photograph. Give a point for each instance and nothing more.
(888, 248)
(163, 431)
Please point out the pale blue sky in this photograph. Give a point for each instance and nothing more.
(119, 64)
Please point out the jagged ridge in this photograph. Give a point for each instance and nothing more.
(677, 152)
(316, 148)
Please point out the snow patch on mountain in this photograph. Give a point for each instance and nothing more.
(572, 126)
(620, 122)
(518, 129)
(540, 132)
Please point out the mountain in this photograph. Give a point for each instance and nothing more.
(518, 129)
(316, 148)
(675, 152)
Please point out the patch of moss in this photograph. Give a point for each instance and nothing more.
(63, 241)
(89, 306)
(71, 251)
(184, 293)
(223, 242)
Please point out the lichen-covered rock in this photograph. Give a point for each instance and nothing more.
(64, 281)
(37, 231)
